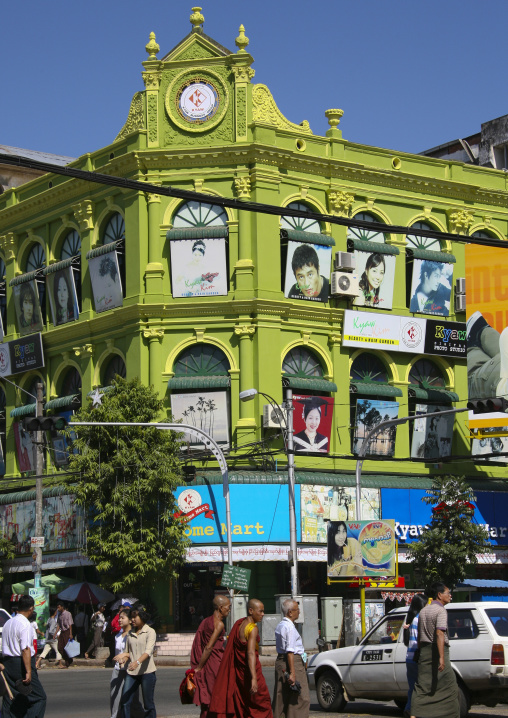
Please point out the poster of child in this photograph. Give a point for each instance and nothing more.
(62, 296)
(198, 267)
(106, 281)
(28, 309)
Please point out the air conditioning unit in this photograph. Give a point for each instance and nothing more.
(344, 261)
(274, 417)
(344, 284)
(460, 285)
(460, 302)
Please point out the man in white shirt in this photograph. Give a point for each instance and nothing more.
(19, 661)
(290, 669)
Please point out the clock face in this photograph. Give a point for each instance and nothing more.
(197, 101)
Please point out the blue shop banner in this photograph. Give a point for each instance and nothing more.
(259, 514)
(411, 514)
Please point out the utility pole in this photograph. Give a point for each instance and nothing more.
(39, 464)
(293, 546)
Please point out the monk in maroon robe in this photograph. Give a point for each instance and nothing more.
(207, 651)
(240, 688)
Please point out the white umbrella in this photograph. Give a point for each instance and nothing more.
(123, 599)
(84, 592)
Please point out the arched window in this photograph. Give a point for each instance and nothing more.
(301, 224)
(202, 360)
(368, 368)
(484, 234)
(425, 374)
(37, 260)
(113, 367)
(366, 235)
(302, 370)
(114, 231)
(71, 383)
(418, 242)
(71, 249)
(199, 214)
(3, 404)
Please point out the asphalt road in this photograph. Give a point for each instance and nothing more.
(84, 692)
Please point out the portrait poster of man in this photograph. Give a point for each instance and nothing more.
(198, 267)
(432, 436)
(361, 548)
(106, 281)
(370, 413)
(312, 423)
(206, 410)
(24, 447)
(27, 307)
(431, 287)
(377, 275)
(308, 272)
(62, 295)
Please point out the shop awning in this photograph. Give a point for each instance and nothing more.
(218, 381)
(374, 388)
(197, 232)
(63, 402)
(476, 583)
(104, 249)
(298, 235)
(420, 253)
(23, 278)
(363, 245)
(52, 581)
(26, 410)
(442, 396)
(309, 383)
(20, 496)
(58, 266)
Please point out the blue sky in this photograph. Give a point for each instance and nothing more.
(408, 74)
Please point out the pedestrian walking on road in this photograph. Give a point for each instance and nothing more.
(435, 694)
(81, 626)
(119, 670)
(411, 641)
(51, 639)
(29, 698)
(291, 696)
(65, 635)
(98, 623)
(141, 669)
(240, 688)
(207, 652)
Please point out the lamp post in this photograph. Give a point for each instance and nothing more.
(247, 395)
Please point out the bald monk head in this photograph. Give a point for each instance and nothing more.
(220, 601)
(255, 610)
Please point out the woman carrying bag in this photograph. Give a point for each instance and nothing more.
(140, 664)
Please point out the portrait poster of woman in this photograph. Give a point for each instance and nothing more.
(62, 296)
(24, 448)
(198, 267)
(376, 274)
(431, 287)
(312, 423)
(28, 308)
(361, 548)
(106, 281)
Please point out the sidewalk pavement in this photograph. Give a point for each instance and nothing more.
(159, 661)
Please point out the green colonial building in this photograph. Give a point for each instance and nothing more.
(204, 302)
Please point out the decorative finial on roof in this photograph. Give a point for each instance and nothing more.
(334, 117)
(152, 48)
(241, 41)
(197, 19)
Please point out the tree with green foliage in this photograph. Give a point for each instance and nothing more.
(127, 476)
(6, 554)
(452, 541)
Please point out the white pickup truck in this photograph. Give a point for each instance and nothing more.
(376, 667)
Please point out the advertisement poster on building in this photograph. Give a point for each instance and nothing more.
(24, 447)
(383, 331)
(361, 548)
(41, 599)
(62, 296)
(62, 522)
(308, 272)
(206, 410)
(27, 307)
(487, 334)
(321, 504)
(106, 281)
(312, 423)
(377, 276)
(432, 436)
(491, 448)
(198, 267)
(370, 413)
(431, 287)
(25, 354)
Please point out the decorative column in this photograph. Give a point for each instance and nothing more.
(154, 271)
(154, 338)
(340, 440)
(9, 246)
(83, 212)
(245, 333)
(152, 79)
(85, 355)
(244, 268)
(243, 73)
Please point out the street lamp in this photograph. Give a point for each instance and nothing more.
(247, 395)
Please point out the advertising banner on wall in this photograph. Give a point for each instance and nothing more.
(491, 448)
(198, 267)
(62, 522)
(206, 410)
(321, 504)
(308, 272)
(106, 281)
(20, 355)
(432, 436)
(370, 413)
(431, 287)
(445, 338)
(62, 296)
(377, 276)
(312, 423)
(361, 548)
(41, 600)
(487, 331)
(24, 447)
(253, 521)
(27, 307)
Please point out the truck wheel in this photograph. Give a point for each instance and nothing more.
(463, 700)
(330, 693)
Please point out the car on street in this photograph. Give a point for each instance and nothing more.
(376, 668)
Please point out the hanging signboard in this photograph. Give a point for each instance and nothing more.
(62, 296)
(377, 277)
(236, 577)
(361, 548)
(431, 287)
(308, 271)
(321, 504)
(432, 436)
(198, 267)
(312, 417)
(20, 355)
(106, 281)
(28, 308)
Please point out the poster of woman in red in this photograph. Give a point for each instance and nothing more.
(312, 423)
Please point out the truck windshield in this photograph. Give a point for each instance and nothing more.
(499, 619)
